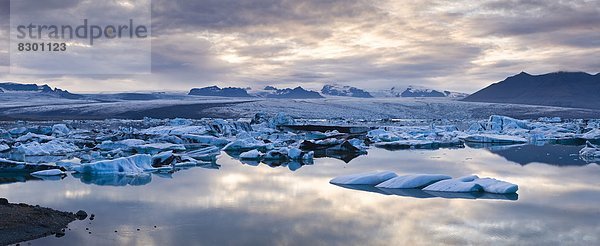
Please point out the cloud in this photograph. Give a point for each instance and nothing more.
(458, 45)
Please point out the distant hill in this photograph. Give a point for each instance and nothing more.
(418, 91)
(561, 89)
(7, 87)
(296, 93)
(344, 91)
(215, 91)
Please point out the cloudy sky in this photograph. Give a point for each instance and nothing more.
(456, 45)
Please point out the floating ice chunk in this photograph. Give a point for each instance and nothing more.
(131, 165)
(412, 181)
(251, 155)
(163, 159)
(32, 136)
(462, 184)
(308, 156)
(277, 154)
(51, 172)
(205, 154)
(60, 130)
(281, 119)
(407, 144)
(372, 178)
(125, 145)
(496, 186)
(494, 138)
(473, 184)
(180, 122)
(502, 123)
(294, 153)
(590, 152)
(205, 139)
(247, 144)
(175, 130)
(550, 119)
(381, 135)
(4, 147)
(155, 148)
(54, 147)
(591, 135)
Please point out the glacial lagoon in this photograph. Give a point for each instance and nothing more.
(231, 202)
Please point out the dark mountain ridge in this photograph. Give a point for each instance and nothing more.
(561, 89)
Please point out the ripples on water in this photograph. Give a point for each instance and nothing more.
(230, 202)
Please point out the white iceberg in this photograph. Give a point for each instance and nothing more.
(294, 153)
(372, 178)
(251, 155)
(473, 184)
(132, 165)
(590, 152)
(412, 181)
(51, 172)
(591, 135)
(4, 147)
(54, 147)
(60, 130)
(502, 123)
(496, 186)
(247, 143)
(35, 137)
(494, 138)
(462, 184)
(155, 148)
(381, 135)
(205, 139)
(125, 145)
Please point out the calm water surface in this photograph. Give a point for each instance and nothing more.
(558, 203)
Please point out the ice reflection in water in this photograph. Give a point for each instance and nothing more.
(244, 204)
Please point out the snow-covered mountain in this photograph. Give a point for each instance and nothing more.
(296, 93)
(215, 91)
(345, 91)
(11, 87)
(417, 91)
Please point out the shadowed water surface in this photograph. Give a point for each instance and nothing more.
(237, 203)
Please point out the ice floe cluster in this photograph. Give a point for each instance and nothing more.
(139, 147)
(428, 182)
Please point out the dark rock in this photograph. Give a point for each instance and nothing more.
(81, 215)
(3, 201)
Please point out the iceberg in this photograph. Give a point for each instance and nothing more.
(155, 148)
(35, 137)
(473, 184)
(412, 181)
(494, 138)
(372, 178)
(248, 143)
(251, 155)
(54, 147)
(125, 145)
(496, 186)
(462, 184)
(60, 130)
(205, 139)
(51, 172)
(590, 152)
(592, 135)
(132, 165)
(4, 147)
